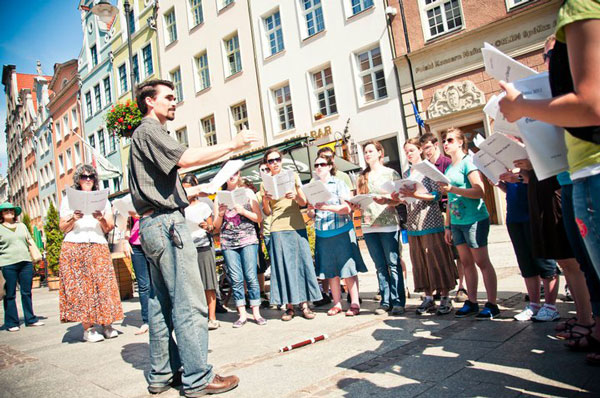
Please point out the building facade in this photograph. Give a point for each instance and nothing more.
(95, 68)
(441, 68)
(144, 49)
(325, 64)
(65, 112)
(207, 52)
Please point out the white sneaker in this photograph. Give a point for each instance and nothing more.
(143, 329)
(14, 329)
(38, 323)
(546, 314)
(92, 336)
(109, 332)
(526, 314)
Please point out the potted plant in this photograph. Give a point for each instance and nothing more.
(318, 116)
(54, 238)
(123, 119)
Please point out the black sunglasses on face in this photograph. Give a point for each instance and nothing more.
(448, 140)
(87, 177)
(547, 55)
(274, 160)
(317, 165)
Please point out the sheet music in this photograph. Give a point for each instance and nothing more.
(279, 184)
(238, 196)
(503, 149)
(87, 202)
(502, 67)
(500, 123)
(124, 205)
(429, 170)
(316, 192)
(228, 170)
(409, 183)
(363, 200)
(489, 166)
(195, 214)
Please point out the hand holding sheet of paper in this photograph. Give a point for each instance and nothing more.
(87, 202)
(124, 205)
(195, 214)
(502, 67)
(429, 170)
(405, 188)
(279, 185)
(316, 192)
(238, 197)
(229, 169)
(363, 200)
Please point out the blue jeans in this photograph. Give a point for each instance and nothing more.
(586, 203)
(142, 276)
(383, 249)
(22, 273)
(175, 303)
(242, 264)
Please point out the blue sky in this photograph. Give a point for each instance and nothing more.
(32, 30)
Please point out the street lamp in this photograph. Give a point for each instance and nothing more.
(106, 12)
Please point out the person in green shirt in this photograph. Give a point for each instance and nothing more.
(16, 266)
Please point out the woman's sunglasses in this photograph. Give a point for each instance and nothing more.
(317, 165)
(448, 140)
(274, 160)
(87, 177)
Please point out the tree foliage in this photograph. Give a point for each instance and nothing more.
(54, 238)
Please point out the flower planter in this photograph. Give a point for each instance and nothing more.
(53, 282)
(36, 283)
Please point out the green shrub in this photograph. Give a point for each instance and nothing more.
(54, 238)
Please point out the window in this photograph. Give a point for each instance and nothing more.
(170, 26)
(88, 104)
(92, 141)
(324, 92)
(112, 138)
(131, 17)
(210, 134)
(105, 184)
(77, 150)
(196, 11)
(232, 51)
(371, 75)
(101, 143)
(147, 58)
(440, 16)
(274, 33)
(74, 119)
(182, 136)
(514, 3)
(360, 5)
(58, 132)
(283, 105)
(313, 15)
(69, 157)
(136, 68)
(224, 3)
(61, 165)
(94, 55)
(65, 126)
(116, 184)
(240, 116)
(176, 79)
(123, 78)
(97, 97)
(107, 93)
(203, 73)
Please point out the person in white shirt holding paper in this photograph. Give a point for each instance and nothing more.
(239, 243)
(293, 279)
(336, 249)
(468, 224)
(88, 287)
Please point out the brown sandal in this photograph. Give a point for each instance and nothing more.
(288, 315)
(353, 310)
(308, 314)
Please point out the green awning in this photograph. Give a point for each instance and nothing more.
(37, 237)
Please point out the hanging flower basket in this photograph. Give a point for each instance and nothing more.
(123, 119)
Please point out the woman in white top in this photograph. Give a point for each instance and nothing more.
(88, 287)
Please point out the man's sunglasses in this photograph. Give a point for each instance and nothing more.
(274, 160)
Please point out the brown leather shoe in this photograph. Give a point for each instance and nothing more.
(218, 385)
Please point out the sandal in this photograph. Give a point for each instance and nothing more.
(566, 325)
(570, 334)
(593, 359)
(334, 311)
(288, 315)
(308, 314)
(353, 310)
(592, 345)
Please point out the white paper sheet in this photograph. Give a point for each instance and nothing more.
(503, 149)
(363, 200)
(429, 170)
(409, 183)
(229, 169)
(489, 166)
(316, 192)
(544, 142)
(195, 214)
(501, 125)
(87, 202)
(124, 205)
(280, 184)
(502, 67)
(238, 196)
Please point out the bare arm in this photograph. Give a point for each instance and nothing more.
(475, 192)
(578, 109)
(199, 156)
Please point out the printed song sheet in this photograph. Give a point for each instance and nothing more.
(429, 170)
(195, 214)
(238, 196)
(280, 184)
(316, 192)
(124, 205)
(87, 202)
(502, 67)
(229, 169)
(503, 149)
(409, 183)
(361, 200)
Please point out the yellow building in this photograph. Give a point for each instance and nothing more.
(144, 51)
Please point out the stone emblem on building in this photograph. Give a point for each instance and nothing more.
(456, 96)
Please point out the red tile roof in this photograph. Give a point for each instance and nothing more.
(26, 80)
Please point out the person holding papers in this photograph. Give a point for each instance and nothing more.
(201, 235)
(468, 224)
(431, 258)
(336, 250)
(381, 227)
(88, 287)
(293, 279)
(239, 243)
